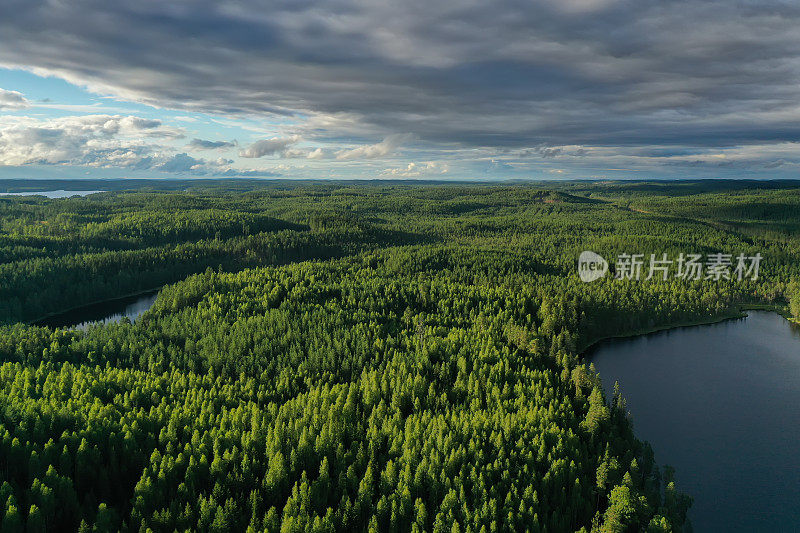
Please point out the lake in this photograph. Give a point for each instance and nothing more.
(50, 194)
(720, 403)
(105, 312)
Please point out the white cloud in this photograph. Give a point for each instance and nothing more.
(12, 100)
(103, 141)
(414, 170)
(373, 151)
(318, 153)
(303, 153)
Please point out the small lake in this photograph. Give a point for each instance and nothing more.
(50, 194)
(720, 403)
(102, 312)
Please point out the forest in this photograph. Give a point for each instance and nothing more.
(355, 357)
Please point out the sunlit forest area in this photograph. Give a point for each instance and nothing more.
(355, 357)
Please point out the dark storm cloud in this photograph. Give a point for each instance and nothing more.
(268, 147)
(203, 144)
(499, 74)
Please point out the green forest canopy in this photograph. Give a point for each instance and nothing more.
(353, 357)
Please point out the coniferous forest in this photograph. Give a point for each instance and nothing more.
(355, 357)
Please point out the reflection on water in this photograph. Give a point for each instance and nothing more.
(720, 403)
(50, 194)
(103, 312)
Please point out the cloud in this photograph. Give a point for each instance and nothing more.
(12, 100)
(374, 151)
(249, 173)
(547, 152)
(317, 153)
(180, 163)
(137, 123)
(496, 165)
(414, 170)
(101, 141)
(75, 139)
(202, 144)
(268, 147)
(775, 164)
(607, 75)
(551, 152)
(575, 72)
(304, 153)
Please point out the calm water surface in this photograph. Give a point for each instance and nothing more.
(50, 194)
(103, 312)
(720, 403)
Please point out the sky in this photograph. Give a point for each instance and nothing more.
(406, 89)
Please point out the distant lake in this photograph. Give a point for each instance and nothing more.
(50, 194)
(720, 403)
(102, 312)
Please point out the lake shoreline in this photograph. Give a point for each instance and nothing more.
(713, 401)
(741, 312)
(96, 302)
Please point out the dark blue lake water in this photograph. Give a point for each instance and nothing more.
(102, 312)
(720, 403)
